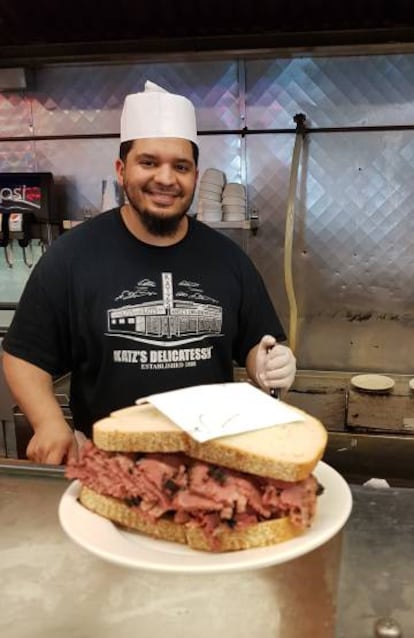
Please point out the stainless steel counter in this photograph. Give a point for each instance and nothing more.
(377, 576)
(50, 587)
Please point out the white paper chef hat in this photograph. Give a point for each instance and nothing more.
(157, 113)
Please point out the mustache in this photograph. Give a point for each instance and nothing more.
(163, 191)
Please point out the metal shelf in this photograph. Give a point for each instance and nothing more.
(251, 224)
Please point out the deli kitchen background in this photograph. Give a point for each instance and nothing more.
(353, 260)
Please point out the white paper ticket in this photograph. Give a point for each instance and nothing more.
(221, 409)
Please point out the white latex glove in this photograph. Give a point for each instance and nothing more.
(275, 364)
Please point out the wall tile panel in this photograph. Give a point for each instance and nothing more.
(349, 91)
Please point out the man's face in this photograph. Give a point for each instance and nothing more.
(159, 178)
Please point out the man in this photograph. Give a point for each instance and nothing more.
(141, 299)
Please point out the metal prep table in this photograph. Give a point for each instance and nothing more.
(50, 587)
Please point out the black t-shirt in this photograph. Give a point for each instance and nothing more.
(128, 319)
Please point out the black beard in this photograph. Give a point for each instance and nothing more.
(157, 225)
(160, 226)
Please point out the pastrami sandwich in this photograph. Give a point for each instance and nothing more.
(248, 490)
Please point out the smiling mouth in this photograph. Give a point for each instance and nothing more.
(163, 199)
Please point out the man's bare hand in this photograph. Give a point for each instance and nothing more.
(52, 445)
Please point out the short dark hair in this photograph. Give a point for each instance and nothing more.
(125, 147)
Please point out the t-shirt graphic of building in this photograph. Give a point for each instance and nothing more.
(168, 317)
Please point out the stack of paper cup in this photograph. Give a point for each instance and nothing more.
(234, 202)
(209, 196)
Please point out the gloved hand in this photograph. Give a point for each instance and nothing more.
(275, 365)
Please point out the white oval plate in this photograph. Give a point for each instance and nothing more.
(132, 549)
(373, 382)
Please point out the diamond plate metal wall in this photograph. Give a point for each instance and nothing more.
(15, 115)
(78, 166)
(268, 165)
(222, 152)
(354, 221)
(17, 156)
(361, 90)
(352, 245)
(88, 99)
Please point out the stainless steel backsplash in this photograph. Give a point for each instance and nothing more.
(352, 256)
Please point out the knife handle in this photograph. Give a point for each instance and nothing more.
(274, 392)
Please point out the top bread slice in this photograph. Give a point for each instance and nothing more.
(288, 452)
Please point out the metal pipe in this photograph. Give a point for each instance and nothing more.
(241, 131)
(299, 119)
(27, 467)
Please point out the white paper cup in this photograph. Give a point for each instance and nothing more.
(233, 201)
(233, 217)
(210, 186)
(211, 216)
(237, 210)
(208, 195)
(209, 207)
(234, 190)
(214, 176)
